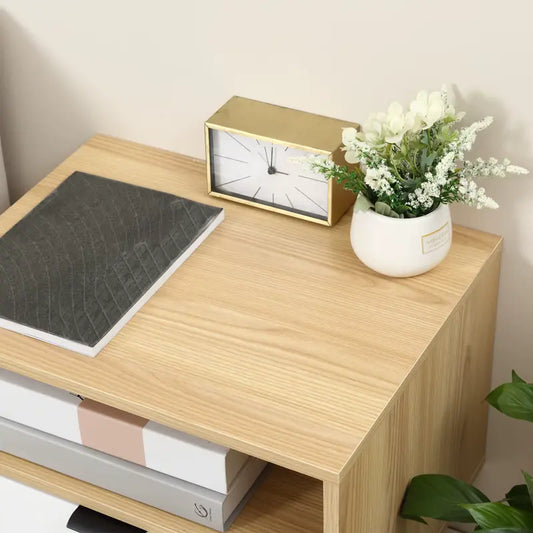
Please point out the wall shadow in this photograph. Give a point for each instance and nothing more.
(509, 441)
(42, 114)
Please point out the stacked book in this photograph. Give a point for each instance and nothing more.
(26, 509)
(129, 455)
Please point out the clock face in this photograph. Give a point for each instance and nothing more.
(266, 173)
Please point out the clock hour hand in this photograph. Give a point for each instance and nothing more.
(284, 173)
(271, 168)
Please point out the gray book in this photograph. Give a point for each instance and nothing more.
(80, 264)
(167, 493)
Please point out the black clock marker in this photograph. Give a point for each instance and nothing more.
(232, 158)
(314, 179)
(255, 194)
(292, 205)
(237, 141)
(311, 200)
(233, 181)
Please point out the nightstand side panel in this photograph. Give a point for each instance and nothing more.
(436, 424)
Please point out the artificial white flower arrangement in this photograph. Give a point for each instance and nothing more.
(408, 163)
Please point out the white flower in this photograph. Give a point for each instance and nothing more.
(492, 168)
(315, 162)
(396, 124)
(372, 178)
(449, 105)
(428, 108)
(425, 194)
(443, 168)
(351, 157)
(430, 188)
(349, 135)
(380, 179)
(357, 150)
(381, 128)
(475, 196)
(513, 169)
(422, 198)
(467, 137)
(416, 124)
(373, 130)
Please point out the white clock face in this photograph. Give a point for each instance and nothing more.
(266, 173)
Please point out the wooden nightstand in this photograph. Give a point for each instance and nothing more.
(273, 339)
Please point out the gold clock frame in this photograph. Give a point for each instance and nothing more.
(298, 129)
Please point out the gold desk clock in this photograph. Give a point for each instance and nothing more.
(251, 152)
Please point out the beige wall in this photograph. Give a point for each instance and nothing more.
(152, 71)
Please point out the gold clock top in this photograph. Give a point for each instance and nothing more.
(272, 122)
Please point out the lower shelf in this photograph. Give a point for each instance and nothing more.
(285, 502)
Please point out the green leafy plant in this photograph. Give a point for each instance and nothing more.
(452, 500)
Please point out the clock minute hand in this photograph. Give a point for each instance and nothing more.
(284, 173)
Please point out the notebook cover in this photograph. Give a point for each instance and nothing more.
(82, 259)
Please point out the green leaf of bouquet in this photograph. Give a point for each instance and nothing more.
(410, 184)
(431, 159)
(514, 400)
(382, 208)
(498, 515)
(516, 378)
(440, 497)
(362, 203)
(518, 497)
(423, 160)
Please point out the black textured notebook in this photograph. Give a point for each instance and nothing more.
(84, 261)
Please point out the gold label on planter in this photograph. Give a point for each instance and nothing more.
(434, 240)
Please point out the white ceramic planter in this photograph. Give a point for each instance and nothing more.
(401, 247)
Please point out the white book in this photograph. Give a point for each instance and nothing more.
(28, 510)
(39, 406)
(65, 415)
(196, 460)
